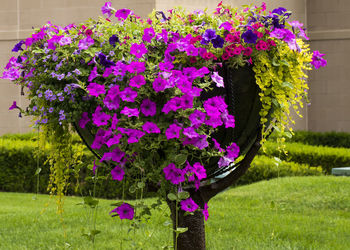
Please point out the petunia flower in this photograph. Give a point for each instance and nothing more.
(128, 95)
(107, 9)
(95, 89)
(317, 60)
(218, 79)
(148, 108)
(13, 106)
(197, 118)
(125, 211)
(188, 205)
(173, 131)
(100, 118)
(138, 50)
(85, 43)
(122, 14)
(137, 81)
(84, 119)
(130, 112)
(249, 36)
(113, 40)
(205, 211)
(148, 34)
(174, 174)
(117, 174)
(150, 127)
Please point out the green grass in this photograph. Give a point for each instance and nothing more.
(284, 213)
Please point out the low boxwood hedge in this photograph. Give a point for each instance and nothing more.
(326, 157)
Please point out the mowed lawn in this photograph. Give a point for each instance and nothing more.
(284, 213)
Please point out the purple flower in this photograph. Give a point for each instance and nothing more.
(224, 161)
(159, 84)
(218, 79)
(104, 61)
(122, 14)
(125, 211)
(85, 43)
(138, 50)
(150, 127)
(137, 81)
(93, 74)
(197, 118)
(128, 95)
(249, 36)
(317, 60)
(18, 46)
(117, 174)
(13, 106)
(134, 135)
(84, 119)
(113, 40)
(166, 66)
(214, 120)
(173, 131)
(186, 102)
(232, 151)
(213, 106)
(209, 35)
(228, 119)
(116, 155)
(136, 67)
(148, 34)
(279, 11)
(199, 141)
(130, 112)
(299, 26)
(107, 9)
(101, 137)
(190, 132)
(112, 99)
(114, 140)
(188, 205)
(205, 211)
(226, 25)
(11, 74)
(100, 118)
(217, 145)
(218, 42)
(148, 108)
(65, 41)
(174, 174)
(95, 89)
(285, 35)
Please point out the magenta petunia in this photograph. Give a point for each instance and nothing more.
(205, 211)
(100, 118)
(107, 9)
(112, 99)
(159, 84)
(186, 101)
(218, 80)
(190, 132)
(114, 121)
(130, 112)
(228, 119)
(217, 145)
(85, 43)
(214, 121)
(166, 66)
(117, 173)
(65, 41)
(188, 205)
(197, 118)
(13, 106)
(116, 155)
(199, 141)
(114, 140)
(136, 67)
(174, 174)
(137, 81)
(215, 105)
(148, 108)
(93, 74)
(150, 127)
(148, 34)
(95, 89)
(138, 50)
(173, 131)
(100, 138)
(122, 14)
(125, 211)
(134, 135)
(172, 105)
(128, 95)
(84, 119)
(232, 151)
(317, 60)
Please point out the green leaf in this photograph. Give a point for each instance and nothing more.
(274, 62)
(38, 170)
(91, 202)
(132, 189)
(287, 84)
(180, 159)
(181, 230)
(183, 195)
(140, 184)
(167, 223)
(117, 204)
(288, 134)
(172, 197)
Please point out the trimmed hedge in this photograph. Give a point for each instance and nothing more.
(18, 167)
(326, 157)
(329, 139)
(265, 168)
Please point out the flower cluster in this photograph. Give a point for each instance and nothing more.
(139, 85)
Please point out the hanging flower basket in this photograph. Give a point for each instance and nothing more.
(169, 101)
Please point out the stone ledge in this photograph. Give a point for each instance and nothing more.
(329, 35)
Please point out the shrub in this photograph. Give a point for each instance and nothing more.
(326, 157)
(265, 168)
(330, 139)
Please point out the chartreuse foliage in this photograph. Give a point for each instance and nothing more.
(284, 213)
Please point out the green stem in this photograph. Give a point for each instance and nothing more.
(176, 219)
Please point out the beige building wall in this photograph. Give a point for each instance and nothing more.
(329, 30)
(328, 23)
